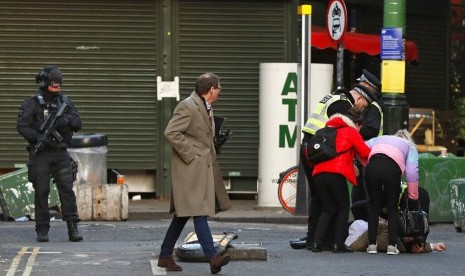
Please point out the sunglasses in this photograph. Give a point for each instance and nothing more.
(55, 84)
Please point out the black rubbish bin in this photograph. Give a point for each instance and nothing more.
(90, 151)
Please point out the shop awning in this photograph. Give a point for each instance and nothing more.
(358, 43)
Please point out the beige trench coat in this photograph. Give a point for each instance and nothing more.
(197, 182)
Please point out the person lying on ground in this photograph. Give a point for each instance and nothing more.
(358, 240)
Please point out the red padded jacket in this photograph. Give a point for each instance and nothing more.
(350, 142)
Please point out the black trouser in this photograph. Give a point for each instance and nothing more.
(333, 193)
(359, 195)
(383, 177)
(314, 204)
(358, 192)
(42, 166)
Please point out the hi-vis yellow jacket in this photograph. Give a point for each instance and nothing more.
(382, 117)
(319, 116)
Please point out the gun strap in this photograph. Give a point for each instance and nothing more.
(41, 100)
(56, 105)
(59, 102)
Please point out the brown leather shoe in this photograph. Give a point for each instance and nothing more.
(217, 261)
(168, 263)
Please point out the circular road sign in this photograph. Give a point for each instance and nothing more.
(336, 18)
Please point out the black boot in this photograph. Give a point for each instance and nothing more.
(42, 234)
(341, 248)
(309, 244)
(297, 243)
(73, 232)
(316, 247)
(310, 235)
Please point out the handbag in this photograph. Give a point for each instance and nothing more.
(413, 223)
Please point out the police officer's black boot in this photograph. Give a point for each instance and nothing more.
(42, 233)
(310, 235)
(73, 232)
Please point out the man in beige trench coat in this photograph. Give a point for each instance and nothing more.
(197, 183)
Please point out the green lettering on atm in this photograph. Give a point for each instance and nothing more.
(291, 108)
(290, 86)
(285, 136)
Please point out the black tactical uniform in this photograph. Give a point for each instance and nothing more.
(51, 160)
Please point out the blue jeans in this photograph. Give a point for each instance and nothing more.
(201, 229)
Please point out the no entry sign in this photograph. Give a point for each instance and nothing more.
(336, 18)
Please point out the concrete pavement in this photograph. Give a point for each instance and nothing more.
(241, 211)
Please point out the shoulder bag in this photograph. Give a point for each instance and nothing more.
(413, 223)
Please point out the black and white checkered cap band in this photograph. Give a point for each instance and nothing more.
(365, 95)
(365, 79)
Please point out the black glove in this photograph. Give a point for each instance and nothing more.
(62, 122)
(44, 142)
(413, 204)
(40, 144)
(221, 139)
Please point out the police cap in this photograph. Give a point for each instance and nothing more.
(370, 79)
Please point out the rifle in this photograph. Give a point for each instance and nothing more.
(48, 128)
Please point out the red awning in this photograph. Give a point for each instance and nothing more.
(358, 43)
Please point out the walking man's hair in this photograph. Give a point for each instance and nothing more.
(205, 82)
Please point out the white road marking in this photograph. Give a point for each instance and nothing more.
(156, 270)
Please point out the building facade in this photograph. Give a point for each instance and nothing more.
(112, 51)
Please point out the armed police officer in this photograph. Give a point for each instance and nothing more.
(47, 122)
(361, 96)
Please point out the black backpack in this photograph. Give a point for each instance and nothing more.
(322, 146)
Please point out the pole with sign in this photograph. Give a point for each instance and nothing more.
(396, 108)
(336, 18)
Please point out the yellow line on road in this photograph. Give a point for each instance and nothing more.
(15, 262)
(30, 261)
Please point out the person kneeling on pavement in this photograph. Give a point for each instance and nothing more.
(358, 240)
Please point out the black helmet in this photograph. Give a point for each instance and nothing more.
(50, 73)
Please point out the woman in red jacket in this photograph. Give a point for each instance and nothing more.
(331, 178)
